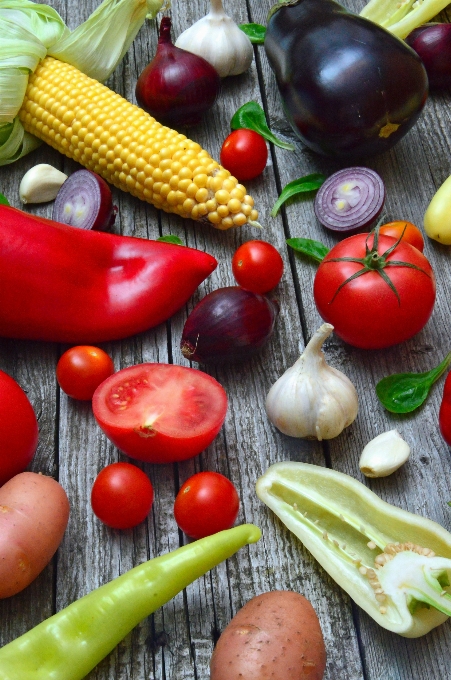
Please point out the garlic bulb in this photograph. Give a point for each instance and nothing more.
(384, 454)
(41, 184)
(217, 38)
(311, 399)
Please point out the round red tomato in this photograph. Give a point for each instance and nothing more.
(257, 266)
(160, 412)
(244, 154)
(407, 230)
(206, 503)
(18, 429)
(386, 303)
(122, 495)
(81, 369)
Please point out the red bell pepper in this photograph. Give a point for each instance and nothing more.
(64, 284)
(445, 411)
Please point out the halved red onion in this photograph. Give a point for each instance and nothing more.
(85, 201)
(350, 200)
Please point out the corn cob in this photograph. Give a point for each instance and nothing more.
(101, 130)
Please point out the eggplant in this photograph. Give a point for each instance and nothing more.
(349, 88)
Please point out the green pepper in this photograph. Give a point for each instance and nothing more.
(394, 564)
(68, 645)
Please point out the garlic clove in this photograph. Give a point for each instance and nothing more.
(384, 454)
(41, 184)
(312, 399)
(219, 40)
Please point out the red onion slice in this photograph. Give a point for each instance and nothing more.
(350, 200)
(85, 201)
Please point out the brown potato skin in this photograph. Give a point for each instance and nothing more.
(275, 636)
(34, 511)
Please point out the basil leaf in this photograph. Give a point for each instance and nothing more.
(252, 117)
(306, 246)
(170, 238)
(298, 186)
(255, 32)
(3, 200)
(404, 392)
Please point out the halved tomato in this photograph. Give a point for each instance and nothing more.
(160, 413)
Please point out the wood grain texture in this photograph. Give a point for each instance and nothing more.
(177, 641)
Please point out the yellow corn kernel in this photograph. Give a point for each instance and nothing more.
(88, 122)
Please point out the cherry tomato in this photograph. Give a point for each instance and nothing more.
(367, 311)
(444, 417)
(81, 369)
(411, 233)
(257, 266)
(18, 429)
(206, 503)
(122, 495)
(244, 154)
(160, 412)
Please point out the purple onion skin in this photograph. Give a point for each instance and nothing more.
(349, 88)
(177, 87)
(98, 200)
(228, 325)
(432, 43)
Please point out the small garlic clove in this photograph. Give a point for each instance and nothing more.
(41, 184)
(384, 454)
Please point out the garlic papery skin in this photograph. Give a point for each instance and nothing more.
(217, 38)
(384, 454)
(311, 399)
(41, 184)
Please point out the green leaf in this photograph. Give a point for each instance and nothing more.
(170, 238)
(309, 247)
(3, 200)
(405, 392)
(298, 186)
(252, 117)
(255, 32)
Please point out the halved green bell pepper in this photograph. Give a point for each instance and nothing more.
(72, 642)
(394, 564)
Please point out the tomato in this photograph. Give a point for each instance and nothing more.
(244, 154)
(444, 417)
(81, 369)
(160, 412)
(365, 311)
(257, 266)
(206, 503)
(411, 233)
(18, 429)
(122, 495)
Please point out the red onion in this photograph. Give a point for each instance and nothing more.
(432, 43)
(177, 87)
(350, 200)
(85, 200)
(229, 324)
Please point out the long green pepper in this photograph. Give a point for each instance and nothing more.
(68, 645)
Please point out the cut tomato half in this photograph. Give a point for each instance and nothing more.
(160, 413)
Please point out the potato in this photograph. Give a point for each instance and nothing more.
(275, 636)
(34, 511)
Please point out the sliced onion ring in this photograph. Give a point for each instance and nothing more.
(85, 201)
(350, 200)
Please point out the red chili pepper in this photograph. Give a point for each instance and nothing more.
(444, 417)
(63, 284)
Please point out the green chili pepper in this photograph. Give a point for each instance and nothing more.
(68, 645)
(394, 564)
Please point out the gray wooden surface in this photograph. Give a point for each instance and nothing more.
(176, 643)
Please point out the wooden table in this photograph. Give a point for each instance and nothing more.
(176, 643)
